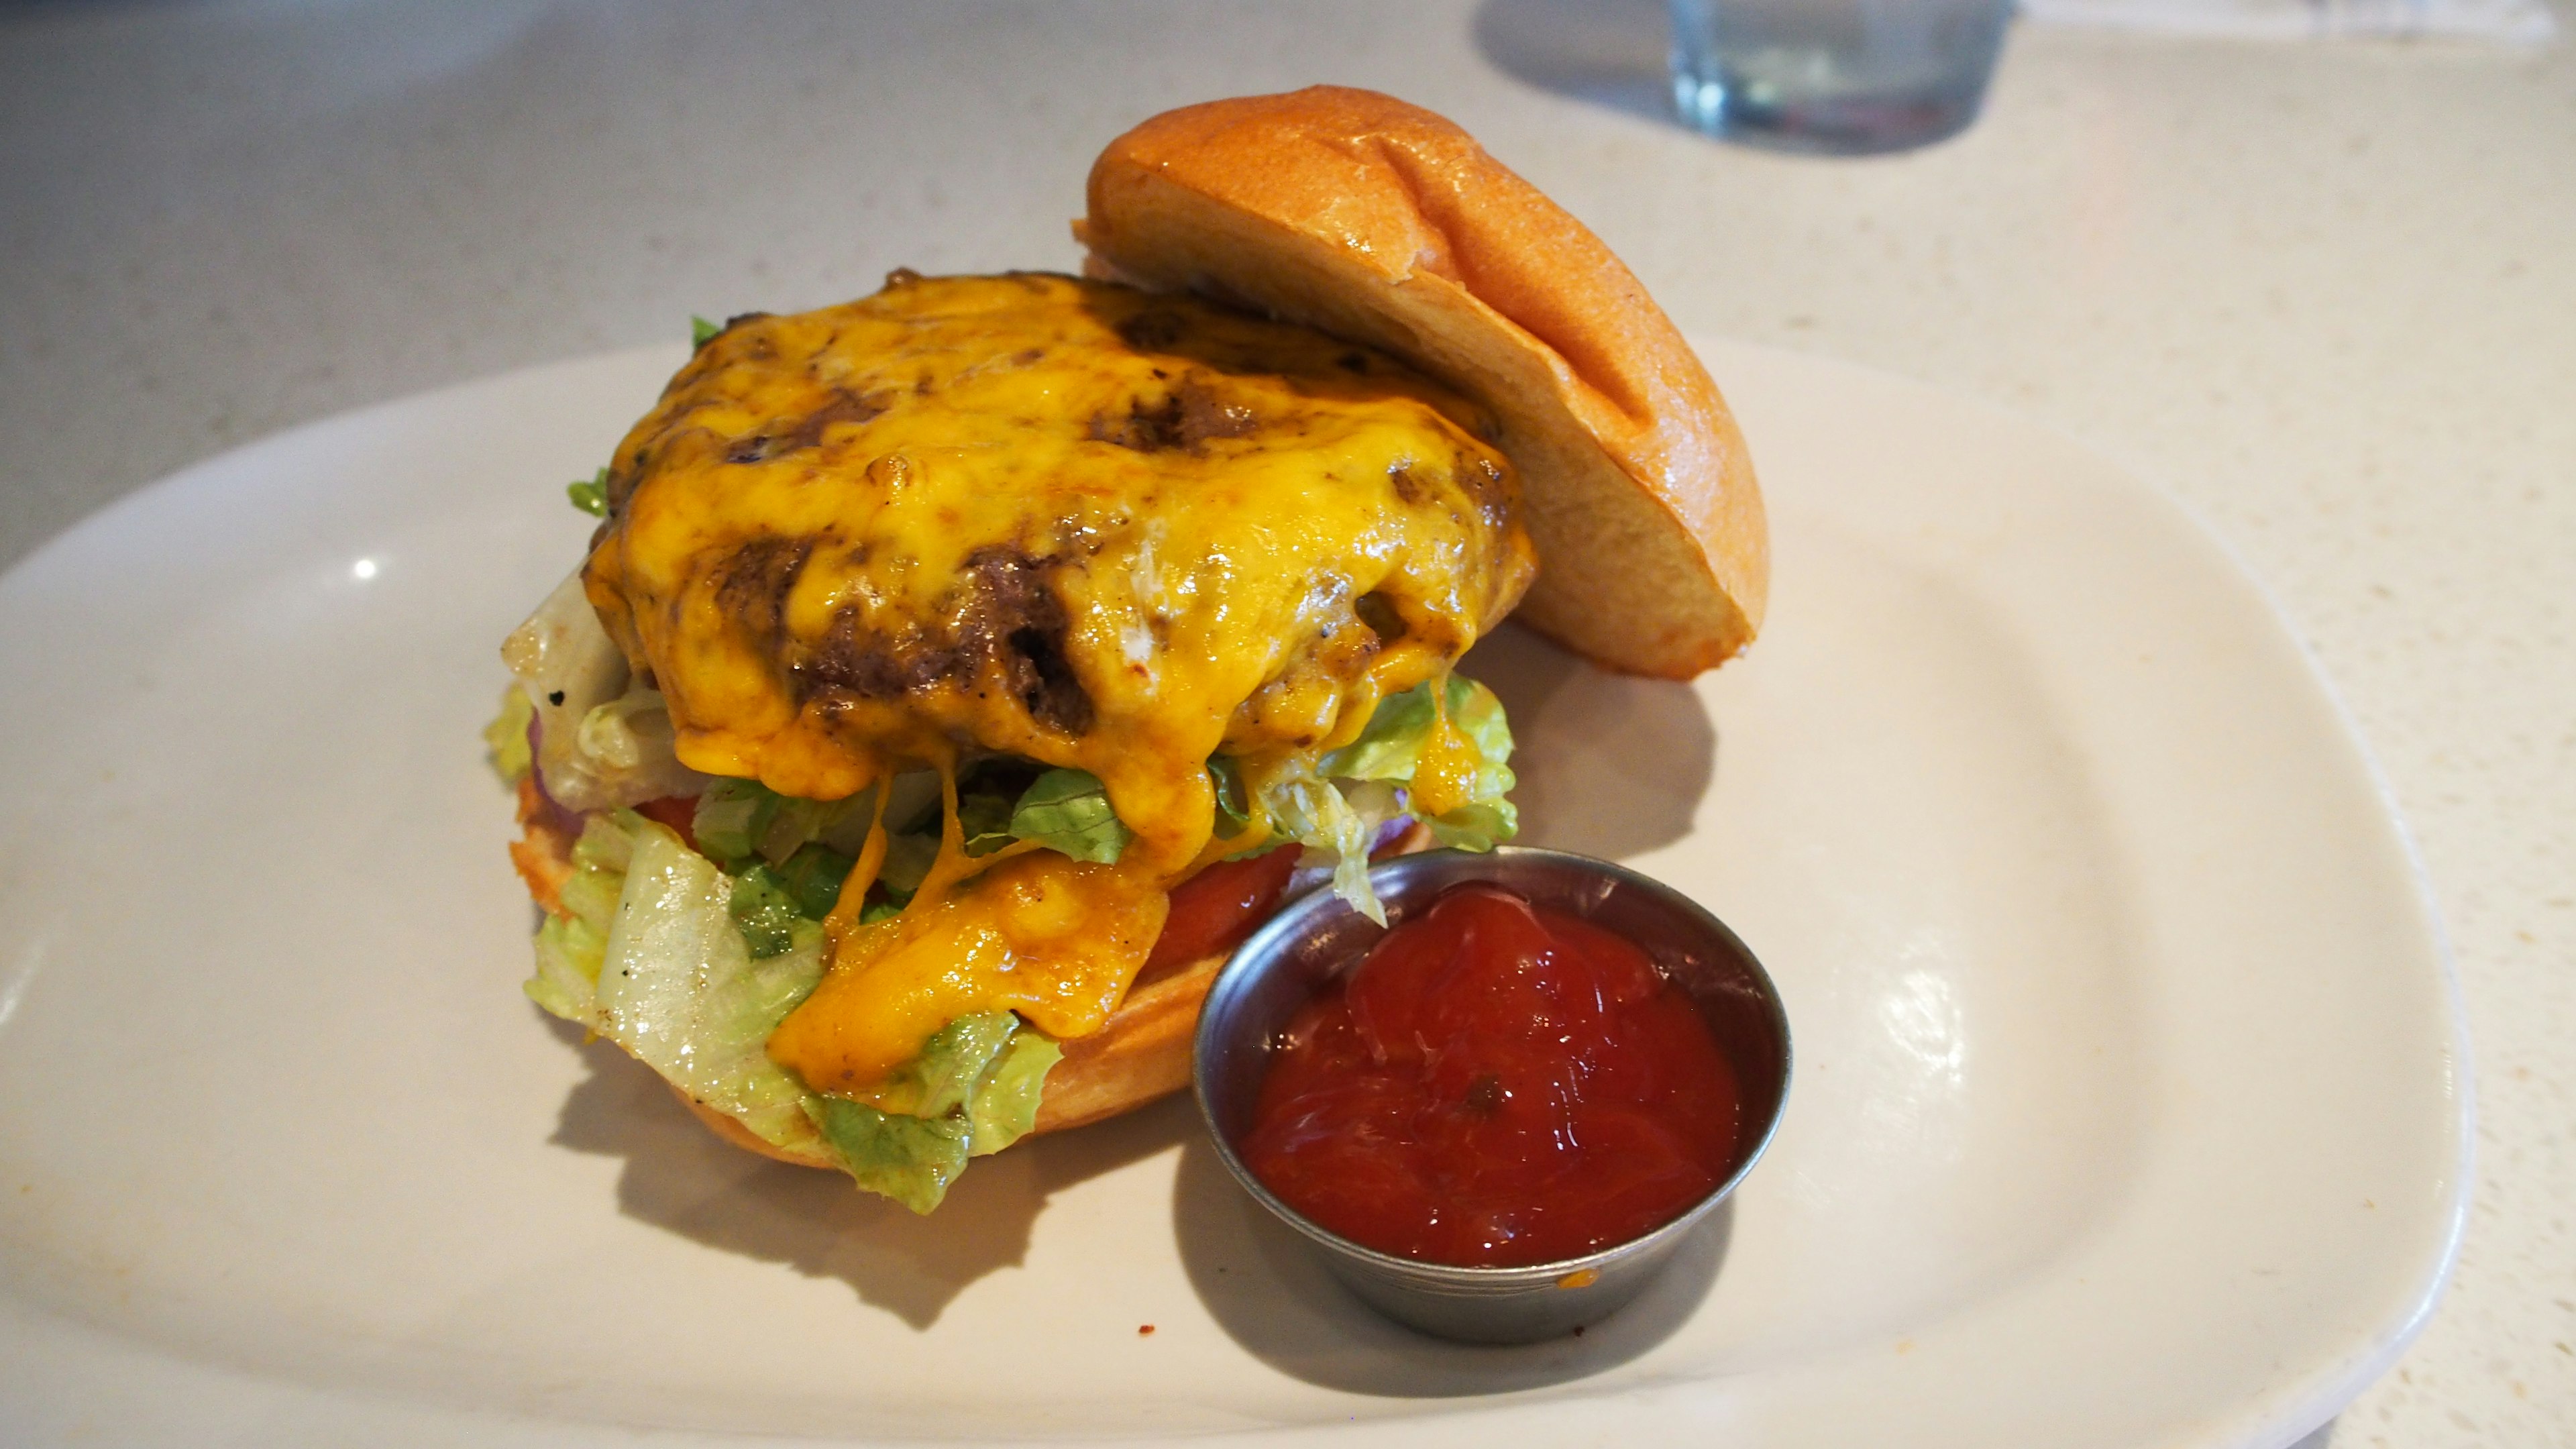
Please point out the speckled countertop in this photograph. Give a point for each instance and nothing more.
(2325, 293)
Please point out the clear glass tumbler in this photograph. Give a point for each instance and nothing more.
(1846, 77)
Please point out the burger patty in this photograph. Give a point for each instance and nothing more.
(1066, 520)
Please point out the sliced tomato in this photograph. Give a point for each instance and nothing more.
(1214, 910)
(679, 812)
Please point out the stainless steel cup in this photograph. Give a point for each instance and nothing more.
(1291, 958)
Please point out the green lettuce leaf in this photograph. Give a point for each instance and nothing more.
(1388, 748)
(952, 1063)
(731, 818)
(598, 873)
(737, 820)
(1335, 809)
(907, 860)
(1485, 819)
(973, 1091)
(680, 990)
(568, 959)
(1068, 811)
(691, 970)
(1476, 827)
(1005, 1105)
(506, 737)
(1317, 815)
(1233, 805)
(764, 912)
(812, 877)
(909, 1159)
(985, 818)
(590, 494)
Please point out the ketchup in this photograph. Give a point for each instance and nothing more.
(1496, 1084)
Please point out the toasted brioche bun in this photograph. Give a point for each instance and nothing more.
(1141, 1054)
(1378, 221)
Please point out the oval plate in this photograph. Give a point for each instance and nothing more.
(2134, 1104)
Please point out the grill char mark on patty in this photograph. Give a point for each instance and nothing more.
(752, 586)
(1015, 620)
(807, 432)
(1183, 421)
(1008, 626)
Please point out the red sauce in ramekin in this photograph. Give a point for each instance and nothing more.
(1496, 1084)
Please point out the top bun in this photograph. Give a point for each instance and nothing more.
(1375, 220)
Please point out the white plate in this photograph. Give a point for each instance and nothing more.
(2132, 1103)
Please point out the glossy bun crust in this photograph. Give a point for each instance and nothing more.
(1375, 220)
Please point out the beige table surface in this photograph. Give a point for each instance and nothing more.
(2324, 293)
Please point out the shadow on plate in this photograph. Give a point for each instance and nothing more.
(1611, 53)
(1272, 1294)
(1608, 765)
(681, 1177)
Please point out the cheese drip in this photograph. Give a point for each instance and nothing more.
(1063, 520)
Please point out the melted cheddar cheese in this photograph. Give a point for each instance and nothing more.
(1062, 520)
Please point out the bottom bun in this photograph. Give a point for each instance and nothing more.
(1141, 1054)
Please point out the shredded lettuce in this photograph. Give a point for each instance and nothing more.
(691, 970)
(1233, 806)
(631, 737)
(1476, 827)
(702, 331)
(1068, 811)
(973, 1091)
(602, 739)
(764, 912)
(812, 878)
(788, 853)
(731, 819)
(690, 958)
(590, 494)
(1485, 818)
(938, 1082)
(985, 818)
(736, 820)
(1316, 815)
(648, 955)
(568, 959)
(907, 861)
(679, 988)
(1005, 1104)
(506, 737)
(1335, 808)
(909, 1159)
(1391, 744)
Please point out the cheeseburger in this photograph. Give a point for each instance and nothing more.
(956, 674)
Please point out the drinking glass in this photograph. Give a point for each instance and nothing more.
(1845, 77)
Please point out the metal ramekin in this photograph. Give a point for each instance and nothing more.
(1289, 959)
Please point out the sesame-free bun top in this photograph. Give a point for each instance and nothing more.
(1379, 221)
